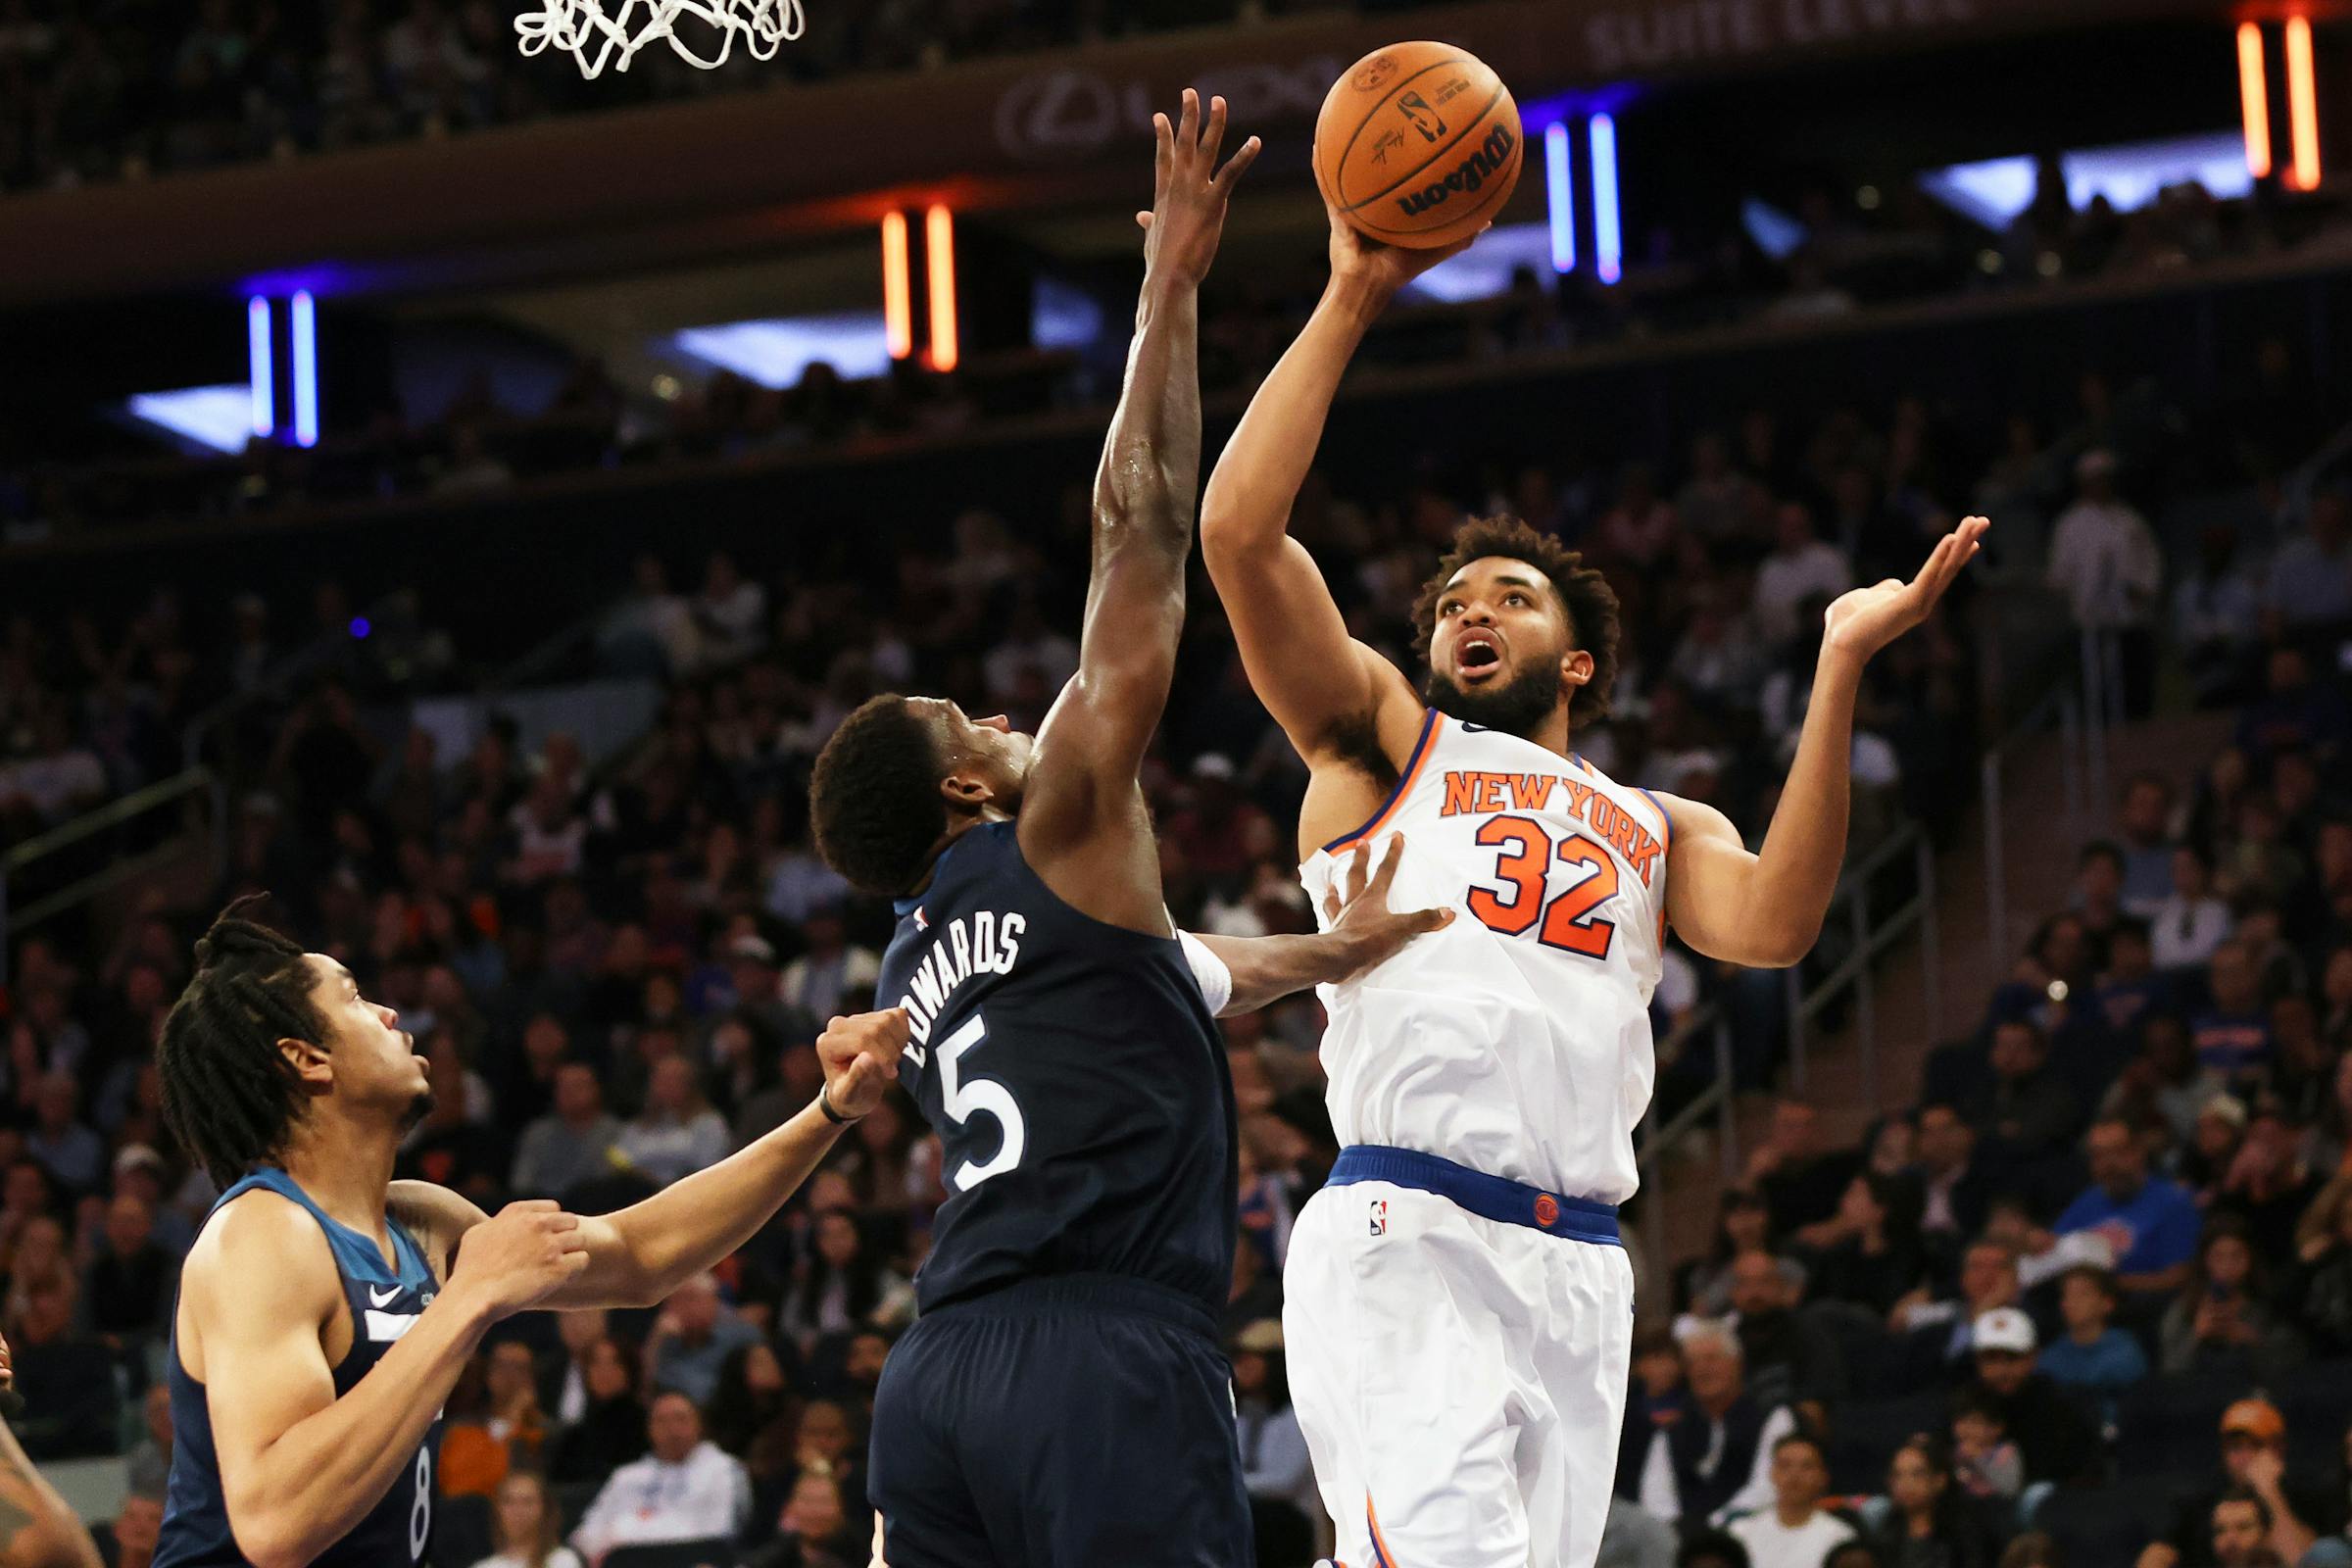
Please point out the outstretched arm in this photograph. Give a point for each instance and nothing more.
(1361, 933)
(1083, 780)
(638, 1255)
(1315, 680)
(1764, 910)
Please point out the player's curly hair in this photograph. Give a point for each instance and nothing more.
(230, 1094)
(1585, 594)
(873, 801)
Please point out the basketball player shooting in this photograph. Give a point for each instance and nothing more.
(326, 1310)
(1063, 1401)
(1459, 1306)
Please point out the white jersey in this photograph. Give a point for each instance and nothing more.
(1518, 1040)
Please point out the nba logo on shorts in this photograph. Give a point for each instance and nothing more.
(1380, 1216)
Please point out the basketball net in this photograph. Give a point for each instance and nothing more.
(596, 37)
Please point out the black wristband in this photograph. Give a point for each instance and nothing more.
(825, 1105)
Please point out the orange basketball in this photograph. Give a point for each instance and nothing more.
(1418, 144)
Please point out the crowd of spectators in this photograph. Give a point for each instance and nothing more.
(617, 973)
(1674, 283)
(2107, 1254)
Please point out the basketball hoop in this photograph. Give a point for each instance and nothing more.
(596, 38)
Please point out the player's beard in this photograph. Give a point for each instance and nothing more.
(1516, 706)
(419, 1108)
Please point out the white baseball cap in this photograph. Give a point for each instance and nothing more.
(2004, 1328)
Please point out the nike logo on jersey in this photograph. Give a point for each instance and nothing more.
(1474, 793)
(381, 1298)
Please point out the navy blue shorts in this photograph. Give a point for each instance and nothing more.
(1064, 1423)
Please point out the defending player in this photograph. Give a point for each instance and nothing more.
(1459, 1308)
(1063, 1401)
(325, 1310)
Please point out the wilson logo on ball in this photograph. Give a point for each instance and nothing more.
(1492, 153)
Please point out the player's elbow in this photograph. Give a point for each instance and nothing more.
(1225, 533)
(273, 1536)
(1781, 945)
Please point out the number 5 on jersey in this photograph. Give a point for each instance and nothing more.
(960, 1098)
(1568, 920)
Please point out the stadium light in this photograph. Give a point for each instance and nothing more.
(2302, 106)
(305, 370)
(939, 256)
(262, 377)
(2254, 99)
(217, 418)
(776, 351)
(898, 303)
(1608, 242)
(1559, 189)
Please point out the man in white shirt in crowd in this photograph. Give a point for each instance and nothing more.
(1795, 1531)
(688, 1488)
(2103, 557)
(1802, 566)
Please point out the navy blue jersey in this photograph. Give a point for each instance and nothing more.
(1075, 1078)
(384, 1304)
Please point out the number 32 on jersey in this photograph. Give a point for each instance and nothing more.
(1569, 921)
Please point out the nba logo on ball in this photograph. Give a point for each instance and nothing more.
(1548, 1210)
(1422, 118)
(1380, 1216)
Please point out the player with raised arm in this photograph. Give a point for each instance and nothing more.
(1063, 1401)
(326, 1310)
(1458, 1306)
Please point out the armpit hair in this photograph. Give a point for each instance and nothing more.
(1355, 741)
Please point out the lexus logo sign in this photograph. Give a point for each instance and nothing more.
(1072, 114)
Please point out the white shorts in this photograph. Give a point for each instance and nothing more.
(1461, 1381)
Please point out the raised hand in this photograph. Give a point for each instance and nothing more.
(1867, 619)
(1357, 258)
(1190, 192)
(521, 1256)
(861, 1057)
(1362, 912)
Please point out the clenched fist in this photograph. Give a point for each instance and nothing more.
(860, 1054)
(518, 1258)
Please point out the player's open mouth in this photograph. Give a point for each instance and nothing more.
(1476, 656)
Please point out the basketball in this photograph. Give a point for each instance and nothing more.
(1418, 144)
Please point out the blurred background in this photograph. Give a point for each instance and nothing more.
(460, 499)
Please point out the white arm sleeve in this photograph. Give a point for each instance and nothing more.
(1217, 981)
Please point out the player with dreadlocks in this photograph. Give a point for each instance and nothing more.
(326, 1310)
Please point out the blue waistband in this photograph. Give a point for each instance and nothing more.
(1493, 1197)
